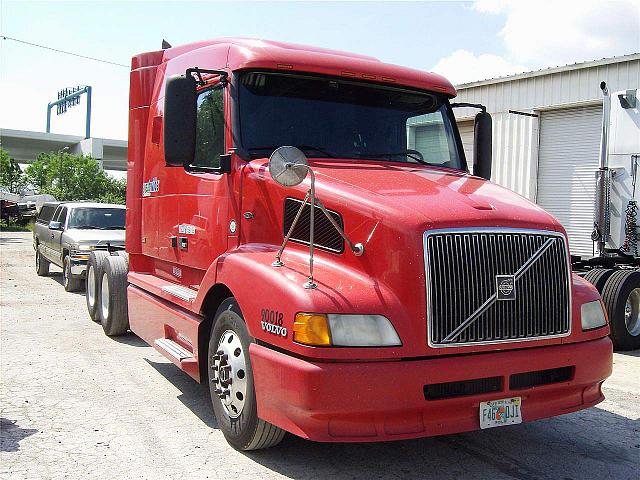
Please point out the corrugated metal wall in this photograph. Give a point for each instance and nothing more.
(515, 137)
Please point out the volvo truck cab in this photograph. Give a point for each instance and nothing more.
(304, 235)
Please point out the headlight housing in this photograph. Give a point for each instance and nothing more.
(592, 315)
(344, 330)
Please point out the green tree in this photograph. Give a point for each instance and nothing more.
(11, 176)
(74, 177)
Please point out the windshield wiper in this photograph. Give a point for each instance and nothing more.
(414, 154)
(301, 147)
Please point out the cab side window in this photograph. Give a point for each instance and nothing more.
(46, 213)
(210, 128)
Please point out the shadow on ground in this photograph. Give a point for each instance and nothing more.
(130, 339)
(5, 240)
(11, 435)
(631, 353)
(57, 276)
(593, 443)
(194, 396)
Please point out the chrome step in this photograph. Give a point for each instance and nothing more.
(172, 348)
(183, 293)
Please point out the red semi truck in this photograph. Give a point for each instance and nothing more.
(414, 298)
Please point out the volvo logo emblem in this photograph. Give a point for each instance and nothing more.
(505, 287)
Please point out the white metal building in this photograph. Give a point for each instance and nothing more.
(549, 150)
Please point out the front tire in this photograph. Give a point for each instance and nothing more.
(42, 265)
(231, 383)
(70, 281)
(621, 296)
(113, 308)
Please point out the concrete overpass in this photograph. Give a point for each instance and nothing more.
(24, 146)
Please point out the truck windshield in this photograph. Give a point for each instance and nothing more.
(97, 218)
(328, 117)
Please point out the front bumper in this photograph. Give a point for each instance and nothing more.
(378, 401)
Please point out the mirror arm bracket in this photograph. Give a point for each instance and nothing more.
(471, 105)
(313, 200)
(199, 71)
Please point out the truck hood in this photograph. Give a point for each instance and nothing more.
(442, 197)
(95, 237)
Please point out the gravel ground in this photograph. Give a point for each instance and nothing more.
(76, 404)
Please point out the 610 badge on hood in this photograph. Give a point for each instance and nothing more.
(271, 322)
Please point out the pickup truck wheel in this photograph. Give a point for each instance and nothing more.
(113, 311)
(621, 296)
(598, 277)
(42, 265)
(231, 383)
(94, 275)
(70, 281)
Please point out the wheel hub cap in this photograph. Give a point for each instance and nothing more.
(104, 296)
(91, 286)
(229, 373)
(632, 313)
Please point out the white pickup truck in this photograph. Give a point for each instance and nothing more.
(65, 234)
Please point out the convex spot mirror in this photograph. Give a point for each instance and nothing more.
(180, 120)
(288, 166)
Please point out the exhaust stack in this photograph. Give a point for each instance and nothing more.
(601, 221)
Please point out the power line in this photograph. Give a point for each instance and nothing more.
(65, 52)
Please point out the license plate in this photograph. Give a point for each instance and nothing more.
(498, 413)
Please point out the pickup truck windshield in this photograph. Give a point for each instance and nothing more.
(327, 117)
(97, 218)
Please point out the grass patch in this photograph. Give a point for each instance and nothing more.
(14, 227)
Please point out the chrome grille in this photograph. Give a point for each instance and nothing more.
(462, 291)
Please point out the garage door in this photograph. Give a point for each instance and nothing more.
(568, 160)
(466, 134)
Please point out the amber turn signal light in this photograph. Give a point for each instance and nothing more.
(312, 329)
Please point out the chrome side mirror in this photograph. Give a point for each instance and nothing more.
(288, 166)
(55, 226)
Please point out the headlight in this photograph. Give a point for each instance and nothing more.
(592, 315)
(344, 330)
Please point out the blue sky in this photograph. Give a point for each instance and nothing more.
(462, 40)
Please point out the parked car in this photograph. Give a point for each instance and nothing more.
(65, 234)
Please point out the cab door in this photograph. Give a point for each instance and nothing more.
(55, 247)
(190, 209)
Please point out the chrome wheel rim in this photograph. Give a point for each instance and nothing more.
(230, 373)
(104, 296)
(91, 287)
(632, 313)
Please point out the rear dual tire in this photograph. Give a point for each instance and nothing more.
(621, 296)
(112, 308)
(94, 276)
